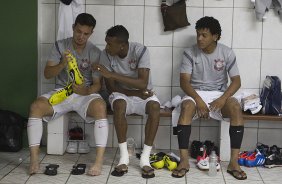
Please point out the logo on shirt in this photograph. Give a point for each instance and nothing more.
(84, 65)
(132, 64)
(218, 64)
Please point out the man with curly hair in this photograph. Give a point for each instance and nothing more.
(204, 74)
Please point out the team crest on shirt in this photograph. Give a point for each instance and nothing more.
(132, 64)
(84, 64)
(218, 64)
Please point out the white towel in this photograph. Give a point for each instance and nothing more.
(66, 17)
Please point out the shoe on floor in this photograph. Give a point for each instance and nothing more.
(203, 162)
(83, 147)
(72, 147)
(255, 159)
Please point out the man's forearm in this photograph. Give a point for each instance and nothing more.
(233, 87)
(53, 71)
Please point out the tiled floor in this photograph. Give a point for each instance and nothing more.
(14, 167)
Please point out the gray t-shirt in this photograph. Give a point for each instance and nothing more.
(89, 55)
(209, 72)
(137, 57)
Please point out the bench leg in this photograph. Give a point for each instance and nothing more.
(224, 142)
(57, 135)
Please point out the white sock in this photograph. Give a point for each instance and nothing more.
(124, 157)
(144, 159)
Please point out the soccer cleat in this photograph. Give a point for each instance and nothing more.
(203, 161)
(170, 162)
(242, 157)
(61, 95)
(73, 70)
(157, 161)
(255, 159)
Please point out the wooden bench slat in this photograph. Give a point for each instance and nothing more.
(246, 116)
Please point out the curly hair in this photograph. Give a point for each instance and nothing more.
(118, 31)
(210, 23)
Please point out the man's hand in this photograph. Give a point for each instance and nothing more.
(202, 109)
(217, 104)
(103, 70)
(146, 94)
(64, 61)
(80, 89)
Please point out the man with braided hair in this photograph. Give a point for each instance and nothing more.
(83, 98)
(203, 77)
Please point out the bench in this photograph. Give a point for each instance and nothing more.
(57, 132)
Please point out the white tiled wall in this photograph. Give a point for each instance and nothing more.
(257, 46)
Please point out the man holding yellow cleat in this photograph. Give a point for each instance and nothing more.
(76, 89)
(74, 75)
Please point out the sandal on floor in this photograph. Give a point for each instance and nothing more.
(148, 173)
(239, 175)
(179, 171)
(119, 171)
(51, 169)
(78, 169)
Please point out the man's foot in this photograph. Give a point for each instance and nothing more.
(95, 169)
(181, 170)
(34, 160)
(120, 170)
(148, 172)
(33, 167)
(236, 171)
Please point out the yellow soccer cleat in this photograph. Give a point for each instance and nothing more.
(73, 70)
(61, 95)
(170, 162)
(156, 161)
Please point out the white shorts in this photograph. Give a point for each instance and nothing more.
(74, 102)
(134, 104)
(208, 97)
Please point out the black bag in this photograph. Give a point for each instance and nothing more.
(270, 95)
(11, 131)
(66, 2)
(174, 16)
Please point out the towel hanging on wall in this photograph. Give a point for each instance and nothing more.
(66, 17)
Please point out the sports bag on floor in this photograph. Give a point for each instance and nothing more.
(11, 131)
(270, 95)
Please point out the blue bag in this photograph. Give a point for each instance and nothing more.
(270, 95)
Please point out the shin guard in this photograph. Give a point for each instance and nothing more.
(236, 136)
(34, 131)
(101, 130)
(183, 135)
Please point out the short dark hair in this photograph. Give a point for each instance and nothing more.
(85, 19)
(118, 31)
(210, 23)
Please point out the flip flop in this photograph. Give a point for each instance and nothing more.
(78, 169)
(239, 175)
(148, 173)
(118, 171)
(178, 171)
(51, 169)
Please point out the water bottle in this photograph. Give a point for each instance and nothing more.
(212, 164)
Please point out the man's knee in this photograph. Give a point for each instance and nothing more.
(98, 106)
(153, 107)
(38, 107)
(235, 112)
(119, 105)
(188, 106)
